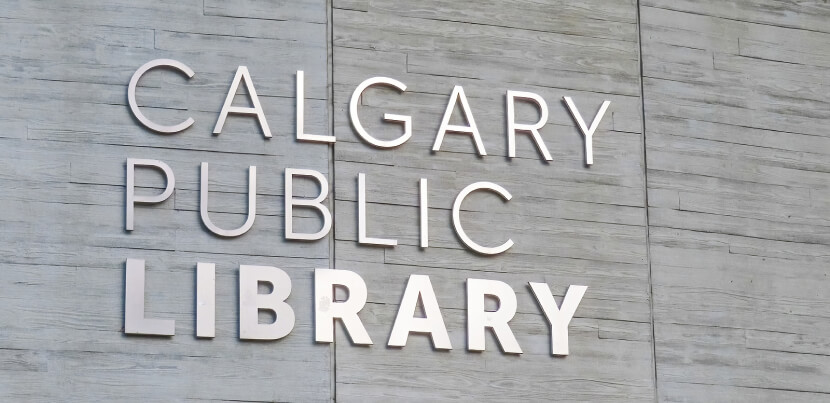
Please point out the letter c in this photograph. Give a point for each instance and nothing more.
(456, 219)
(134, 105)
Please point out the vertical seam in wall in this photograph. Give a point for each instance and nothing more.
(645, 195)
(330, 107)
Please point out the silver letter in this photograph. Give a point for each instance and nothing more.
(134, 105)
(406, 120)
(456, 217)
(203, 205)
(478, 319)
(424, 214)
(301, 134)
(419, 287)
(588, 132)
(251, 302)
(242, 73)
(326, 309)
(512, 126)
(458, 93)
(361, 216)
(205, 300)
(131, 196)
(559, 317)
(134, 320)
(290, 202)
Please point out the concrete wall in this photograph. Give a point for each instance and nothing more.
(701, 230)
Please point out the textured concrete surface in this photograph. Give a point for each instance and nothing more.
(701, 230)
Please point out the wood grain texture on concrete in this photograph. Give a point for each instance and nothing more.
(702, 229)
(67, 133)
(737, 106)
(571, 224)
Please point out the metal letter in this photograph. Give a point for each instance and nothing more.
(251, 302)
(419, 287)
(205, 300)
(203, 204)
(301, 134)
(558, 317)
(134, 320)
(424, 207)
(326, 309)
(588, 132)
(512, 126)
(472, 129)
(134, 105)
(361, 217)
(456, 217)
(132, 199)
(406, 120)
(478, 319)
(290, 202)
(242, 74)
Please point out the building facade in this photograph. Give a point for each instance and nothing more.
(696, 211)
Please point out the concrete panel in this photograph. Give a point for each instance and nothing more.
(67, 133)
(735, 97)
(572, 224)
